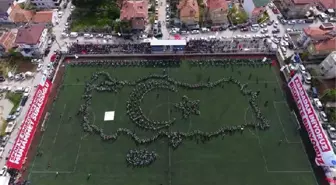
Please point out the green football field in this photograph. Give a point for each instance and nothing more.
(274, 156)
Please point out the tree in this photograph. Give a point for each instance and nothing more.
(13, 53)
(329, 95)
(91, 4)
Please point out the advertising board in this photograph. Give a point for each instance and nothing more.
(26, 134)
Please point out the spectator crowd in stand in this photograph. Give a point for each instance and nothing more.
(192, 46)
(136, 48)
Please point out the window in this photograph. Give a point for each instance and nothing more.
(42, 4)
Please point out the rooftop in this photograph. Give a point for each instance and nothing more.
(168, 42)
(328, 4)
(29, 34)
(188, 8)
(7, 39)
(315, 31)
(327, 45)
(217, 4)
(43, 17)
(258, 10)
(303, 2)
(19, 15)
(134, 9)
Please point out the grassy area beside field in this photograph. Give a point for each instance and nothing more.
(15, 99)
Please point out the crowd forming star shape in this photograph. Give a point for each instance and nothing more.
(188, 107)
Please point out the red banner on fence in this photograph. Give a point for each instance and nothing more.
(25, 137)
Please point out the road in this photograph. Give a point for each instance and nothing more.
(162, 19)
(32, 83)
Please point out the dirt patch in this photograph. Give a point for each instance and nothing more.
(25, 66)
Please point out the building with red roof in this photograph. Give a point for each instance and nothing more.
(7, 41)
(217, 12)
(136, 12)
(327, 4)
(32, 39)
(317, 42)
(189, 12)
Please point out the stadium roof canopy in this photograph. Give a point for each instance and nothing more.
(168, 42)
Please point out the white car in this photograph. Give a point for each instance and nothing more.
(100, 35)
(323, 116)
(39, 67)
(49, 66)
(108, 37)
(72, 8)
(291, 22)
(283, 49)
(286, 37)
(284, 43)
(195, 32)
(289, 30)
(64, 35)
(27, 90)
(18, 111)
(88, 36)
(59, 14)
(276, 41)
(66, 24)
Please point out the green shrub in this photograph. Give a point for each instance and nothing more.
(15, 98)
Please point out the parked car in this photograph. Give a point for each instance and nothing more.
(24, 101)
(100, 35)
(309, 21)
(323, 116)
(275, 11)
(46, 52)
(301, 21)
(245, 29)
(276, 31)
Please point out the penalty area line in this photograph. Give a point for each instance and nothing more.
(274, 171)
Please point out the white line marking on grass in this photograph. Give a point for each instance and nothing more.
(48, 172)
(190, 125)
(261, 82)
(84, 136)
(41, 141)
(77, 157)
(276, 77)
(278, 171)
(282, 126)
(59, 124)
(38, 146)
(249, 129)
(273, 171)
(262, 151)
